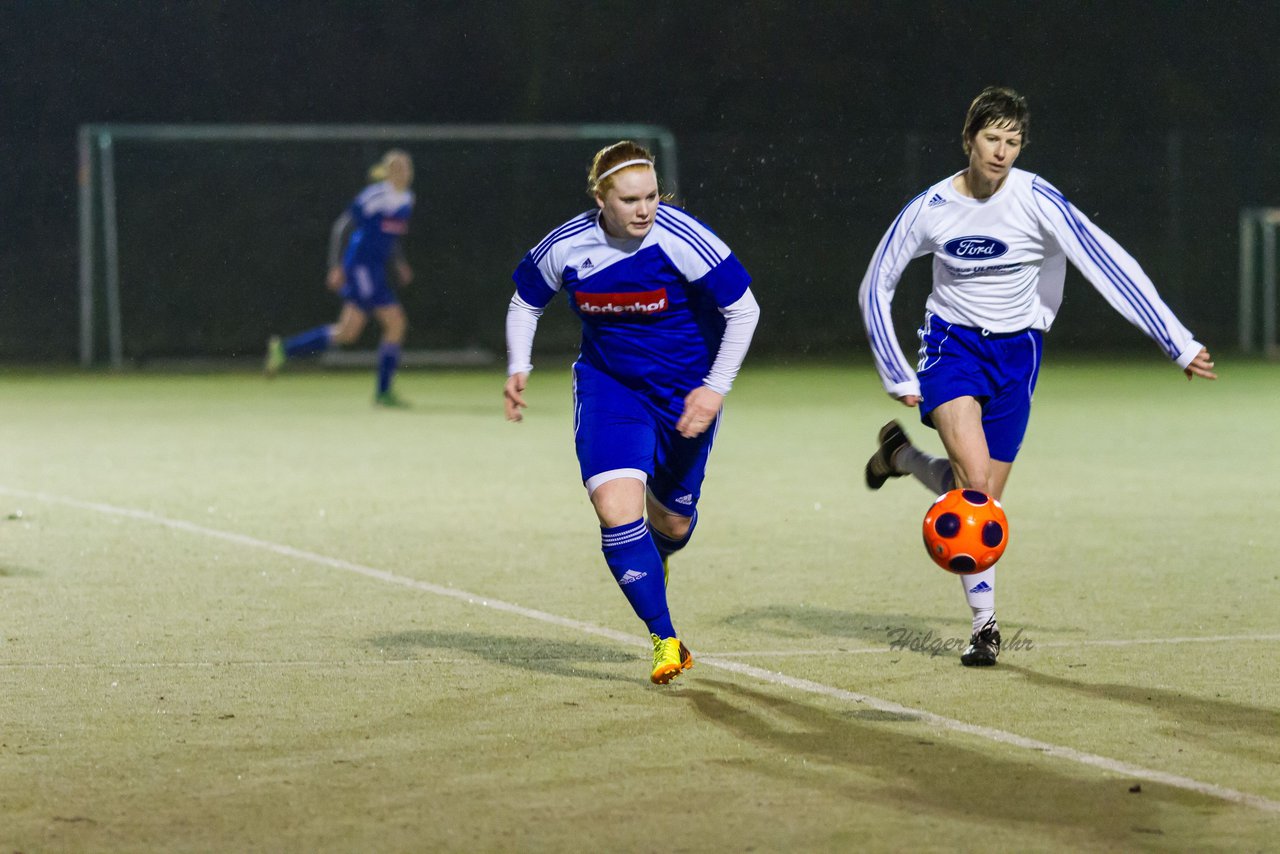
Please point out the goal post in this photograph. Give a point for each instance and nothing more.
(1258, 281)
(100, 191)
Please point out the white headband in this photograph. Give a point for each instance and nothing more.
(624, 165)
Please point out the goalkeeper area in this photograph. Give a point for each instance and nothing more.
(227, 628)
(197, 241)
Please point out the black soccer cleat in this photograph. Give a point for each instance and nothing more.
(880, 467)
(984, 646)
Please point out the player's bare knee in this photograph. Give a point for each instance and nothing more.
(617, 496)
(671, 524)
(344, 333)
(977, 477)
(394, 325)
(982, 483)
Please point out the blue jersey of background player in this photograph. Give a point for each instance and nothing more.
(375, 222)
(667, 316)
(370, 229)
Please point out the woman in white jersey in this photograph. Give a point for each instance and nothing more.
(1000, 239)
(667, 316)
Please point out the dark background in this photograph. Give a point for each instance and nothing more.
(802, 129)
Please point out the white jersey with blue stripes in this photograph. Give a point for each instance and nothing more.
(999, 264)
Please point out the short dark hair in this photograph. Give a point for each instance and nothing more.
(999, 106)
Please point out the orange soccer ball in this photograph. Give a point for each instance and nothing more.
(965, 531)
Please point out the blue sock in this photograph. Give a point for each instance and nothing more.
(305, 343)
(666, 545)
(637, 567)
(388, 360)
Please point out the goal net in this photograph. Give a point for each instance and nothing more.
(199, 241)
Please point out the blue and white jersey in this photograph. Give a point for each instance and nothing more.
(650, 307)
(999, 264)
(380, 215)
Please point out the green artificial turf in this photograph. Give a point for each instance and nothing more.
(239, 614)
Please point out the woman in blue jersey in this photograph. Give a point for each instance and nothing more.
(370, 230)
(1000, 239)
(667, 316)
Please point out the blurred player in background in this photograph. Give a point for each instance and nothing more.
(667, 316)
(370, 230)
(1000, 239)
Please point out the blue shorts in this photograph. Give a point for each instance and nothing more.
(618, 428)
(367, 287)
(997, 368)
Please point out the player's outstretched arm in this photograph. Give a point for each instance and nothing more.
(903, 241)
(1201, 366)
(513, 396)
(522, 323)
(341, 231)
(702, 405)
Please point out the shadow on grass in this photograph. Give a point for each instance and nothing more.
(796, 621)
(1217, 724)
(579, 659)
(922, 771)
(7, 571)
(905, 632)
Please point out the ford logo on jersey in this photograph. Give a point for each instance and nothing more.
(976, 248)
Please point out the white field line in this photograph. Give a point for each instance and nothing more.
(1104, 763)
(218, 665)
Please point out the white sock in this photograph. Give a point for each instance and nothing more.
(980, 590)
(934, 472)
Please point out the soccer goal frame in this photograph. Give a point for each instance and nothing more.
(1258, 280)
(96, 176)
